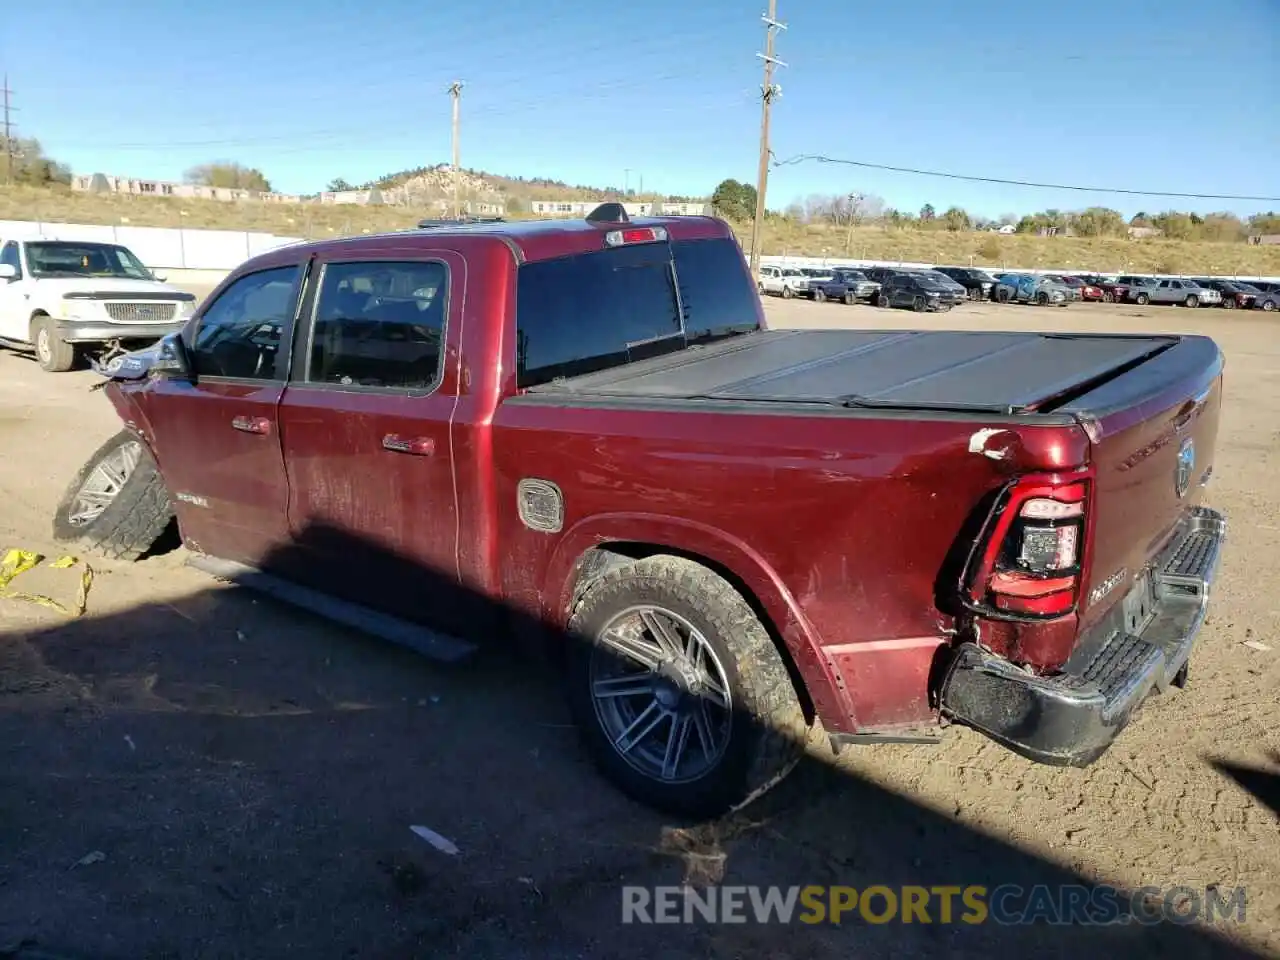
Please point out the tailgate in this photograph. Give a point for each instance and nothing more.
(1154, 430)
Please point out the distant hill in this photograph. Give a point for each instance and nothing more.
(430, 183)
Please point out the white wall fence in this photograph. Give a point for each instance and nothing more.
(222, 250)
(160, 247)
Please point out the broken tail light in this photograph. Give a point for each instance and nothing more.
(1031, 563)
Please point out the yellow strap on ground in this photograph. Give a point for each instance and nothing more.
(17, 562)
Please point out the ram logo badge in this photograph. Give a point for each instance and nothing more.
(192, 499)
(1186, 466)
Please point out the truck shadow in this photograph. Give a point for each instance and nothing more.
(224, 775)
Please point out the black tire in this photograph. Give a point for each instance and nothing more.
(760, 287)
(766, 728)
(882, 301)
(1002, 295)
(850, 298)
(134, 519)
(787, 293)
(918, 305)
(1228, 303)
(1108, 297)
(819, 295)
(1192, 302)
(53, 353)
(1268, 305)
(1042, 299)
(1141, 299)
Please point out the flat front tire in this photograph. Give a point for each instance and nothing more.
(681, 697)
(117, 505)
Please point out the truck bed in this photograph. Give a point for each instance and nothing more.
(980, 372)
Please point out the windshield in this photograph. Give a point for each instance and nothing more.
(1241, 287)
(853, 276)
(62, 259)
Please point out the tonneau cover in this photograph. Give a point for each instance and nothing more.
(1007, 372)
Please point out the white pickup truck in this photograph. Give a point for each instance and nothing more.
(67, 299)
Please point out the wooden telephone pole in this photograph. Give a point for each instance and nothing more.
(9, 150)
(768, 91)
(455, 91)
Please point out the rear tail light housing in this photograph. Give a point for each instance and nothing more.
(1028, 564)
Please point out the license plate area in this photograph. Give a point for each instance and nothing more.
(1139, 604)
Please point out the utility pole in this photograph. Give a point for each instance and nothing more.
(626, 181)
(768, 91)
(455, 91)
(854, 200)
(9, 151)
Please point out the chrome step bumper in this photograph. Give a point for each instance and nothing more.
(1143, 647)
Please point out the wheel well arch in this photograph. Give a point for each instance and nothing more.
(604, 558)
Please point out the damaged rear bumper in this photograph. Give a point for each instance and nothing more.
(1072, 718)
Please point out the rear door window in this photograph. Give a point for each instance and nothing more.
(379, 324)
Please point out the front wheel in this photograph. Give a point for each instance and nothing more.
(882, 301)
(819, 295)
(1108, 298)
(850, 298)
(1268, 305)
(1228, 303)
(681, 697)
(1042, 299)
(1002, 295)
(117, 505)
(53, 353)
(760, 289)
(918, 305)
(1192, 301)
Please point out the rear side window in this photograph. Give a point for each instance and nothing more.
(592, 311)
(379, 324)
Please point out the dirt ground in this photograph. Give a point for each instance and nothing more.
(188, 771)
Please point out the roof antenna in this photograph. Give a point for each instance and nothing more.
(609, 213)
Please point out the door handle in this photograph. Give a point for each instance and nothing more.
(252, 424)
(418, 446)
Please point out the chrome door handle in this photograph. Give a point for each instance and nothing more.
(251, 424)
(418, 446)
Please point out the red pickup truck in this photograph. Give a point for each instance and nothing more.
(739, 535)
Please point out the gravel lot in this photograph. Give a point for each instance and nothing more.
(240, 778)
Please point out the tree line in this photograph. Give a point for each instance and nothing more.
(737, 201)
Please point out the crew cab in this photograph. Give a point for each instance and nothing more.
(64, 299)
(825, 285)
(729, 538)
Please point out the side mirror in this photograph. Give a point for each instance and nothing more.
(8, 272)
(172, 360)
(161, 279)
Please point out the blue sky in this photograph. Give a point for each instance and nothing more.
(1145, 94)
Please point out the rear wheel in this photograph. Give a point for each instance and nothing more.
(760, 288)
(1142, 299)
(117, 505)
(682, 698)
(1108, 297)
(53, 353)
(787, 293)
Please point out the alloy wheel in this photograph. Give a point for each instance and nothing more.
(661, 694)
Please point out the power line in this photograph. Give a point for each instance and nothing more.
(818, 158)
(768, 91)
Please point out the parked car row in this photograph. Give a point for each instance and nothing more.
(869, 284)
